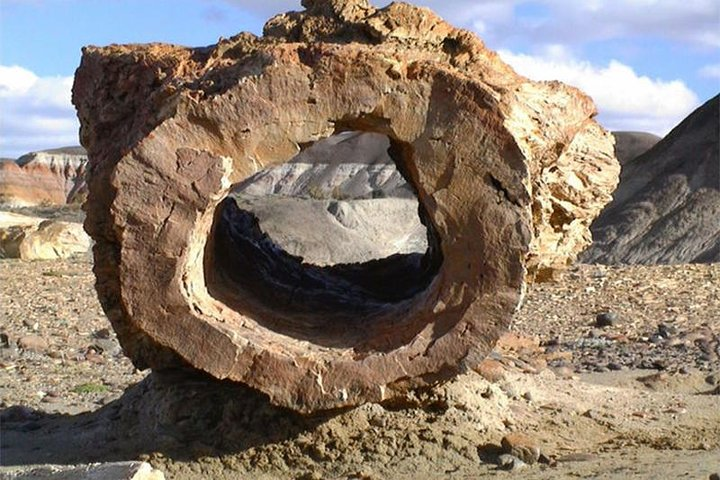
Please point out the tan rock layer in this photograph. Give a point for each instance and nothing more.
(31, 238)
(169, 130)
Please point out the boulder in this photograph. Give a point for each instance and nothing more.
(666, 209)
(50, 177)
(508, 173)
(32, 238)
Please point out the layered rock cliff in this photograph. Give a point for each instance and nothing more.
(50, 177)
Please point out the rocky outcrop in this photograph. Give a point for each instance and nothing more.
(630, 145)
(508, 173)
(33, 238)
(50, 177)
(667, 207)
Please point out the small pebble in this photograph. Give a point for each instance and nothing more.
(521, 446)
(31, 324)
(510, 462)
(33, 343)
(606, 319)
(666, 330)
(103, 333)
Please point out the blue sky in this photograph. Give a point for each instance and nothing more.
(647, 63)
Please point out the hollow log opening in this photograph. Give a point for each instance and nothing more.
(334, 235)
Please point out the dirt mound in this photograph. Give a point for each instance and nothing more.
(667, 207)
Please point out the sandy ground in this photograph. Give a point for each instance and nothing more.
(631, 400)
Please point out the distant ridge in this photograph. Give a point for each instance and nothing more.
(630, 145)
(667, 207)
(46, 177)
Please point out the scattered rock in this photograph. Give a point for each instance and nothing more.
(521, 446)
(564, 372)
(606, 319)
(33, 343)
(491, 370)
(666, 331)
(103, 333)
(510, 462)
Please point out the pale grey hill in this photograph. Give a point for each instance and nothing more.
(342, 200)
(630, 145)
(349, 165)
(666, 209)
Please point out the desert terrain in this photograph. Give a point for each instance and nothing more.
(637, 399)
(360, 246)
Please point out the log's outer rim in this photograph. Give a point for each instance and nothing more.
(190, 174)
(154, 115)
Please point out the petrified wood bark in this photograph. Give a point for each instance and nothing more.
(505, 170)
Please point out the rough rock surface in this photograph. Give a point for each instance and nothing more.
(51, 177)
(630, 145)
(504, 169)
(33, 238)
(667, 207)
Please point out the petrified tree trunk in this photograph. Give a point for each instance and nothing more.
(505, 170)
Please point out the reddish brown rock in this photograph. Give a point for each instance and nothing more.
(491, 370)
(52, 177)
(33, 343)
(505, 169)
(521, 446)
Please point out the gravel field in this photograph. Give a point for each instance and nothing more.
(636, 398)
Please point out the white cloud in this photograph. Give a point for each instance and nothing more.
(561, 21)
(36, 112)
(625, 100)
(710, 71)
